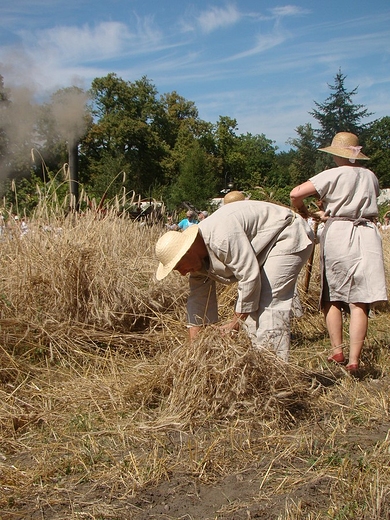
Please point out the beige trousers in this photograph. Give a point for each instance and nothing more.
(269, 326)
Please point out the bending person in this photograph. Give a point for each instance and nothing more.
(259, 245)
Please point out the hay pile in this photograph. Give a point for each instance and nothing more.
(223, 379)
(97, 272)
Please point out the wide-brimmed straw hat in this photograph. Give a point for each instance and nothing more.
(233, 196)
(345, 144)
(171, 248)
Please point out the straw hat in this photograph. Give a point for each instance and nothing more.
(171, 248)
(233, 196)
(345, 144)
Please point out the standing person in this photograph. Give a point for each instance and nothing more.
(259, 245)
(190, 220)
(386, 221)
(353, 273)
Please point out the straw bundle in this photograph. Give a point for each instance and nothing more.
(224, 378)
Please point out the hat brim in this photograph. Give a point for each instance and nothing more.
(342, 152)
(187, 239)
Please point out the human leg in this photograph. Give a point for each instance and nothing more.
(357, 331)
(334, 324)
(269, 326)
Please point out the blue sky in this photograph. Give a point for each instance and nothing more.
(260, 62)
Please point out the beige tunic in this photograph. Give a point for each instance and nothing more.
(262, 247)
(351, 246)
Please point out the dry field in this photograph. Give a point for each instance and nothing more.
(106, 412)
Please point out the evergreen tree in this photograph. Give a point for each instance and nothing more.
(338, 113)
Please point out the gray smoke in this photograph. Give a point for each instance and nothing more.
(19, 118)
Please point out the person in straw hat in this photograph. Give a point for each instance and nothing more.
(353, 275)
(261, 246)
(233, 196)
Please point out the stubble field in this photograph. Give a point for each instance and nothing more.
(107, 412)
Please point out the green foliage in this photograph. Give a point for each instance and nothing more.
(24, 195)
(258, 161)
(377, 146)
(275, 195)
(125, 133)
(303, 164)
(337, 113)
(197, 180)
(131, 140)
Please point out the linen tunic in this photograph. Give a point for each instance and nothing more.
(241, 238)
(351, 245)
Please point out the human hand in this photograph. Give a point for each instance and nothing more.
(322, 216)
(234, 324)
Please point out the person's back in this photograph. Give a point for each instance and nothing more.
(351, 191)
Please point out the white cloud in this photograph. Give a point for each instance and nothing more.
(263, 43)
(216, 18)
(85, 43)
(288, 10)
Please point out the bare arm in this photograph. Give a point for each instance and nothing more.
(299, 194)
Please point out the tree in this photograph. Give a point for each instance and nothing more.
(376, 141)
(174, 114)
(257, 165)
(125, 132)
(225, 139)
(178, 126)
(303, 163)
(337, 113)
(197, 181)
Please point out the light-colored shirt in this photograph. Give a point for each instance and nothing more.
(239, 237)
(185, 223)
(348, 191)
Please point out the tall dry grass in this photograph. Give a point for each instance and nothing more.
(102, 397)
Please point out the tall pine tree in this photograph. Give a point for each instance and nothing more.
(338, 113)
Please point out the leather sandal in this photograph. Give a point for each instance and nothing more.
(337, 358)
(354, 367)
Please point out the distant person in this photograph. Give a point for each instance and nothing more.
(169, 223)
(23, 227)
(202, 215)
(233, 196)
(353, 274)
(386, 222)
(259, 245)
(190, 220)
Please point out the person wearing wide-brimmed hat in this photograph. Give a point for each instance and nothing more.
(233, 196)
(259, 245)
(352, 266)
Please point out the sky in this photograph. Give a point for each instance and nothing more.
(262, 63)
